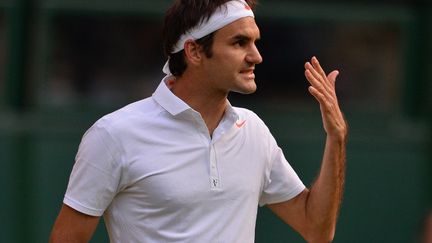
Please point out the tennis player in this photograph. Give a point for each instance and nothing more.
(184, 165)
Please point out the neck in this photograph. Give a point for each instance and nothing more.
(211, 104)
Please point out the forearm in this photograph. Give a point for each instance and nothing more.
(313, 213)
(72, 226)
(65, 237)
(325, 195)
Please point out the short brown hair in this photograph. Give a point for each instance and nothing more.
(181, 17)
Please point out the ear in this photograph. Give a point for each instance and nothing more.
(192, 52)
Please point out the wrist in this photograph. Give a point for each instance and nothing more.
(338, 138)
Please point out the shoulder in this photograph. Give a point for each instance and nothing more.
(249, 115)
(125, 122)
(244, 113)
(255, 126)
(129, 115)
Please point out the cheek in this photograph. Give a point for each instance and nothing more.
(226, 60)
(231, 60)
(222, 65)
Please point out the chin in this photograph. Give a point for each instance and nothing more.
(246, 90)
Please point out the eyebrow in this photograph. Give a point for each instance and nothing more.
(241, 37)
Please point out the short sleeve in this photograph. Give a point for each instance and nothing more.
(96, 174)
(282, 182)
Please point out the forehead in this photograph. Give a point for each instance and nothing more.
(245, 26)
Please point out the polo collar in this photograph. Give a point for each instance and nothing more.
(170, 102)
(230, 113)
(174, 105)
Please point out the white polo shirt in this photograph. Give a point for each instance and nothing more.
(154, 173)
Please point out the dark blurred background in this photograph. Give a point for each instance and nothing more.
(65, 63)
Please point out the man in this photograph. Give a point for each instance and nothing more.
(186, 166)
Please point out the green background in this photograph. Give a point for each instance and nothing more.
(389, 169)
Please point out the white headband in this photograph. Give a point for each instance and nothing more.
(226, 14)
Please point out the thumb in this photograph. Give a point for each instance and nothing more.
(333, 75)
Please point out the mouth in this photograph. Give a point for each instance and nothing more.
(249, 73)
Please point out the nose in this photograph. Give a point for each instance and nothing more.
(254, 55)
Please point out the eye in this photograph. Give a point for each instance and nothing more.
(240, 42)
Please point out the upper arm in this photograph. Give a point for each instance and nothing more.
(73, 226)
(293, 212)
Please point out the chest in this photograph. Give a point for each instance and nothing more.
(179, 173)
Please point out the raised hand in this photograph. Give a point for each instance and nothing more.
(323, 89)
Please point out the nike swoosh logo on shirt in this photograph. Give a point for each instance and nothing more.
(240, 124)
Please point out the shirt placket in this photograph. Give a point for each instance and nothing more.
(215, 182)
(214, 178)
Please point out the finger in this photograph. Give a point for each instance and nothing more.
(324, 101)
(330, 112)
(315, 93)
(332, 76)
(318, 85)
(312, 69)
(321, 71)
(317, 66)
(321, 78)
